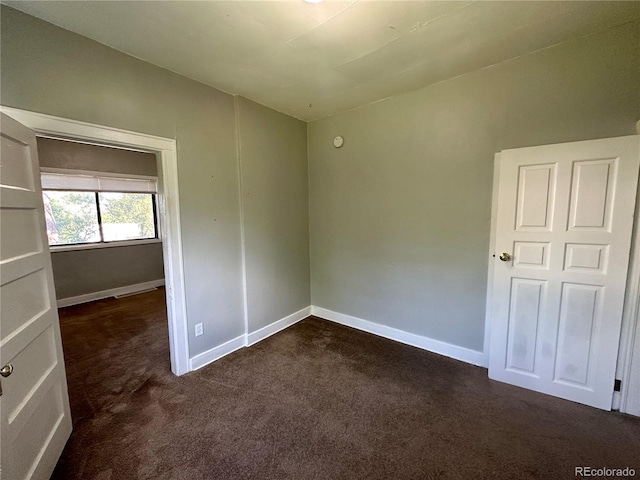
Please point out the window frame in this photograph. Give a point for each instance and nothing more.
(96, 245)
(106, 243)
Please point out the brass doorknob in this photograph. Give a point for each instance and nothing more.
(6, 370)
(505, 257)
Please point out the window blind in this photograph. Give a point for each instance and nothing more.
(96, 183)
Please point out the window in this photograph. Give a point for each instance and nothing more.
(88, 209)
(126, 216)
(72, 217)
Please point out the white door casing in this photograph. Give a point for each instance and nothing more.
(168, 199)
(565, 215)
(35, 420)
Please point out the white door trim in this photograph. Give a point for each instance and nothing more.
(491, 264)
(165, 150)
(628, 368)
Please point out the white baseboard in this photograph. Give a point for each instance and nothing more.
(90, 297)
(473, 357)
(252, 338)
(275, 327)
(215, 353)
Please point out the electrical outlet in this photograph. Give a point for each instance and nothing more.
(199, 329)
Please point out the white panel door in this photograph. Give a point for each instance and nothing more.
(35, 421)
(565, 216)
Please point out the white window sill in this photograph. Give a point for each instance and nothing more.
(92, 246)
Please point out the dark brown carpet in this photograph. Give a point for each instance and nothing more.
(316, 401)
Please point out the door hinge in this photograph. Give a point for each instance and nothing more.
(617, 385)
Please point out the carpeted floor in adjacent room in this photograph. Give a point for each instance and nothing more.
(316, 401)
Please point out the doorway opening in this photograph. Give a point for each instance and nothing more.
(50, 127)
(103, 230)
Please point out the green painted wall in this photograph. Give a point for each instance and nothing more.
(69, 155)
(275, 203)
(50, 70)
(80, 272)
(400, 215)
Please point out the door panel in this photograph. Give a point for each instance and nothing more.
(23, 223)
(35, 421)
(527, 297)
(536, 193)
(15, 171)
(586, 258)
(580, 315)
(531, 255)
(565, 215)
(43, 424)
(19, 303)
(592, 190)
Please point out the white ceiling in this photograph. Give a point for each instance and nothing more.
(313, 60)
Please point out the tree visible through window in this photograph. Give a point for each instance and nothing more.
(126, 216)
(75, 217)
(72, 217)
